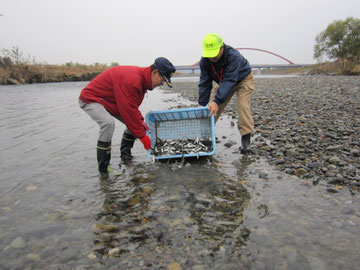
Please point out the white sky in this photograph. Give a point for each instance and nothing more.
(135, 32)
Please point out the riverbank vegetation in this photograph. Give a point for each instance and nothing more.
(17, 69)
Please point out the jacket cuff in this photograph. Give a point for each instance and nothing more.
(217, 101)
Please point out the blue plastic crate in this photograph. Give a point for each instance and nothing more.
(181, 124)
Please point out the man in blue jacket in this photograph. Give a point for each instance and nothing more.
(232, 73)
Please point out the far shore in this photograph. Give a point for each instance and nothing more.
(27, 74)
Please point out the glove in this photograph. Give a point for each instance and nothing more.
(146, 142)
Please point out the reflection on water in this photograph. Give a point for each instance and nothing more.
(225, 212)
(183, 211)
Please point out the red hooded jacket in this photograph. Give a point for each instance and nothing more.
(121, 91)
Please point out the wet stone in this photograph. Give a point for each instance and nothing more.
(67, 255)
(263, 175)
(355, 220)
(332, 190)
(174, 266)
(278, 161)
(334, 160)
(335, 180)
(315, 165)
(334, 148)
(332, 167)
(355, 153)
(104, 227)
(229, 144)
(36, 244)
(33, 257)
(291, 153)
(300, 171)
(18, 242)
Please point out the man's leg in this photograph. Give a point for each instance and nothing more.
(246, 123)
(107, 126)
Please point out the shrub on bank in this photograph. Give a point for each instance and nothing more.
(17, 69)
(47, 73)
(23, 73)
(339, 67)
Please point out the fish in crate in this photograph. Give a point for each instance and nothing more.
(181, 133)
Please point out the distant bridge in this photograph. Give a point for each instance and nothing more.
(196, 67)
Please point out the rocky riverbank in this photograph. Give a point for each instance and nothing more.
(307, 126)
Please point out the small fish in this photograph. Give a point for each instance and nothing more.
(181, 147)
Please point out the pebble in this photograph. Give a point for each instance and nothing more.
(334, 160)
(332, 190)
(354, 220)
(300, 171)
(355, 153)
(316, 164)
(335, 180)
(104, 227)
(316, 263)
(18, 242)
(33, 257)
(174, 266)
(114, 251)
(334, 148)
(31, 188)
(91, 256)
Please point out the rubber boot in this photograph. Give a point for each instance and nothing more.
(103, 155)
(127, 143)
(245, 144)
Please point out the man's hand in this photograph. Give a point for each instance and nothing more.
(146, 142)
(213, 108)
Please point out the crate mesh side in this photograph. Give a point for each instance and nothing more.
(183, 129)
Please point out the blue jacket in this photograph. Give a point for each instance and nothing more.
(230, 70)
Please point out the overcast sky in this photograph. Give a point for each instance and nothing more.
(135, 32)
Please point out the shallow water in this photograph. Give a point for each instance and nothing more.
(223, 212)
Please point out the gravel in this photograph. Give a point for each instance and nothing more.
(307, 126)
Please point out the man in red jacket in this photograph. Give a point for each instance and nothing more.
(117, 93)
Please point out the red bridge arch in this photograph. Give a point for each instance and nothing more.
(260, 50)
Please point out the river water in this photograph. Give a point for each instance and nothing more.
(224, 212)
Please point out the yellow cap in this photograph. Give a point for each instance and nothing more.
(211, 45)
